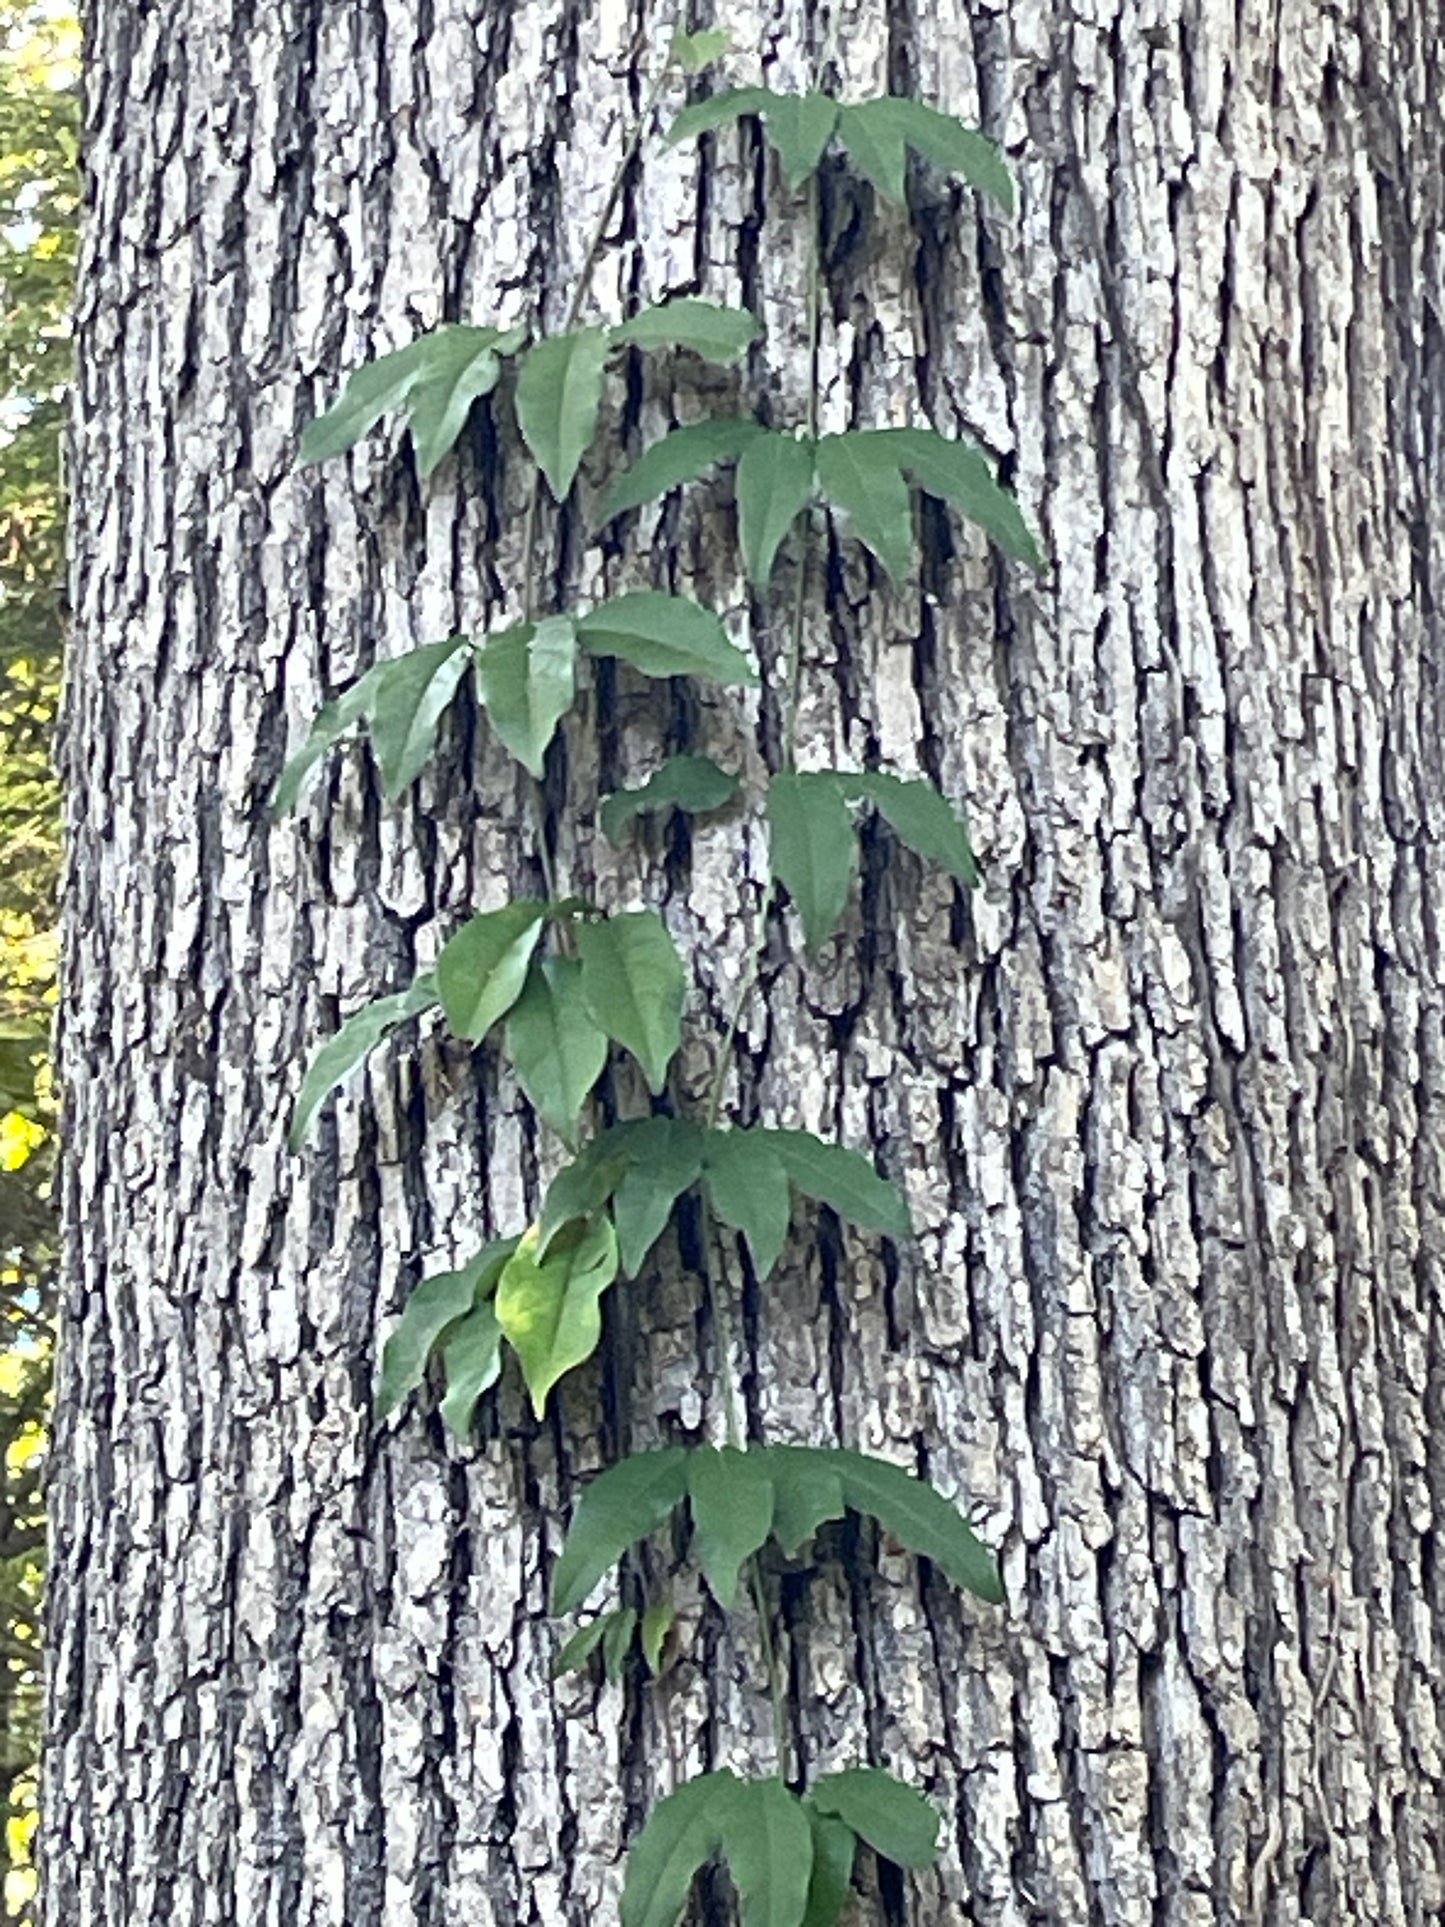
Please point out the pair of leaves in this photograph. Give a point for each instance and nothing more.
(627, 985)
(526, 680)
(814, 845)
(547, 1307)
(790, 1859)
(642, 1167)
(612, 1635)
(692, 783)
(437, 377)
(876, 134)
(739, 1499)
(863, 474)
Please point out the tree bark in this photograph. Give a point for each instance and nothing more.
(1166, 1094)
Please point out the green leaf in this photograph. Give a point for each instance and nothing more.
(774, 486)
(666, 1160)
(864, 482)
(585, 1185)
(876, 146)
(483, 966)
(331, 722)
(814, 849)
(845, 1180)
(807, 1492)
(959, 473)
(615, 1642)
(634, 987)
(707, 328)
(706, 116)
(657, 1623)
(921, 818)
(472, 1361)
(747, 1188)
(835, 1847)
(949, 144)
(694, 51)
(574, 1653)
(768, 1844)
(731, 1496)
(664, 635)
(458, 367)
(681, 455)
(363, 1030)
(896, 1821)
(682, 1833)
(799, 127)
(621, 1505)
(555, 1048)
(408, 697)
(527, 680)
(691, 783)
(433, 1305)
(371, 391)
(919, 1518)
(559, 393)
(549, 1309)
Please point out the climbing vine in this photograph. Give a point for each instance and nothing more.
(558, 983)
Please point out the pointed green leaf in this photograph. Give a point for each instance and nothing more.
(666, 1160)
(549, 1309)
(876, 146)
(433, 1305)
(835, 1847)
(331, 722)
(555, 1048)
(921, 818)
(585, 1185)
(949, 144)
(691, 783)
(371, 391)
(615, 1642)
(774, 486)
(845, 1180)
(458, 366)
(559, 393)
(664, 635)
(408, 698)
(694, 51)
(526, 677)
(747, 1188)
(472, 1361)
(896, 1821)
(680, 456)
(707, 328)
(705, 116)
(682, 1833)
(863, 481)
(363, 1030)
(814, 848)
(808, 1492)
(657, 1623)
(799, 127)
(919, 1518)
(731, 1497)
(621, 1505)
(634, 986)
(483, 966)
(768, 1845)
(574, 1653)
(959, 473)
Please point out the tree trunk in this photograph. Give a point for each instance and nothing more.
(1166, 1093)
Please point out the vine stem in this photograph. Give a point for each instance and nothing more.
(800, 597)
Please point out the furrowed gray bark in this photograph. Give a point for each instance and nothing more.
(1166, 1094)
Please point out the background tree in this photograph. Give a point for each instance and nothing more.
(1165, 1093)
(37, 224)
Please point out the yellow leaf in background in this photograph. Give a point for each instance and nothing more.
(19, 1136)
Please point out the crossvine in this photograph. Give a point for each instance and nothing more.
(559, 986)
